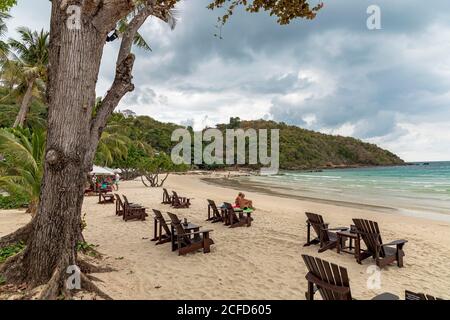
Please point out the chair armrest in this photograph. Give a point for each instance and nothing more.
(337, 229)
(395, 243)
(199, 232)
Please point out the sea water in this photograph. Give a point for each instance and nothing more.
(419, 189)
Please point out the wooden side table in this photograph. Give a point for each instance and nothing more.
(352, 236)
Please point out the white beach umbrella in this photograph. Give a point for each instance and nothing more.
(100, 171)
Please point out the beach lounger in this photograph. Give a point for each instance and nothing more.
(237, 218)
(383, 254)
(409, 295)
(120, 208)
(331, 281)
(160, 226)
(133, 211)
(167, 199)
(214, 215)
(325, 236)
(192, 241)
(104, 198)
(180, 202)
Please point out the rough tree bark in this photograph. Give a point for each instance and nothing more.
(25, 105)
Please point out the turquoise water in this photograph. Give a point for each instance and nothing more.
(420, 190)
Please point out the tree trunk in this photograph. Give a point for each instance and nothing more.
(75, 57)
(25, 105)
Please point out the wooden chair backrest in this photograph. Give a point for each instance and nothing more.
(162, 221)
(119, 201)
(175, 197)
(213, 206)
(177, 224)
(229, 208)
(318, 224)
(371, 235)
(166, 193)
(409, 295)
(329, 273)
(125, 200)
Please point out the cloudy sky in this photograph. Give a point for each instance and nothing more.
(388, 86)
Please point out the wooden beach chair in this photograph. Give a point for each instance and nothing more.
(120, 208)
(180, 202)
(192, 241)
(214, 215)
(133, 211)
(326, 238)
(383, 254)
(237, 219)
(159, 236)
(104, 198)
(167, 199)
(409, 295)
(331, 281)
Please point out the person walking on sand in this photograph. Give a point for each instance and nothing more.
(243, 203)
(116, 181)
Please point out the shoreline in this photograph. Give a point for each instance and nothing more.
(235, 184)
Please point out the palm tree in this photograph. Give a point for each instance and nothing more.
(4, 48)
(115, 143)
(110, 147)
(139, 40)
(31, 60)
(22, 167)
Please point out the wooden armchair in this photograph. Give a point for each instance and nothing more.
(192, 241)
(326, 236)
(383, 254)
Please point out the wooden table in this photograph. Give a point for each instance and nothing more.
(190, 227)
(352, 236)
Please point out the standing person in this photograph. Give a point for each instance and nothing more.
(116, 181)
(94, 182)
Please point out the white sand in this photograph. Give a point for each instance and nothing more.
(260, 262)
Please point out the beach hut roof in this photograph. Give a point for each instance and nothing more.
(100, 171)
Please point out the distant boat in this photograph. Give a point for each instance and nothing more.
(426, 163)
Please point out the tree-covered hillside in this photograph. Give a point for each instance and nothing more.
(305, 149)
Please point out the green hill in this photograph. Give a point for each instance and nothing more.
(305, 149)
(299, 148)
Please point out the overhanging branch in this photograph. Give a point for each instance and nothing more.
(124, 67)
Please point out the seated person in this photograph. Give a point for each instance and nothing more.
(243, 203)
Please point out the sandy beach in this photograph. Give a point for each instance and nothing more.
(260, 262)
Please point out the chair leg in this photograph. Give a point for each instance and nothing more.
(310, 293)
(400, 255)
(308, 235)
(206, 245)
